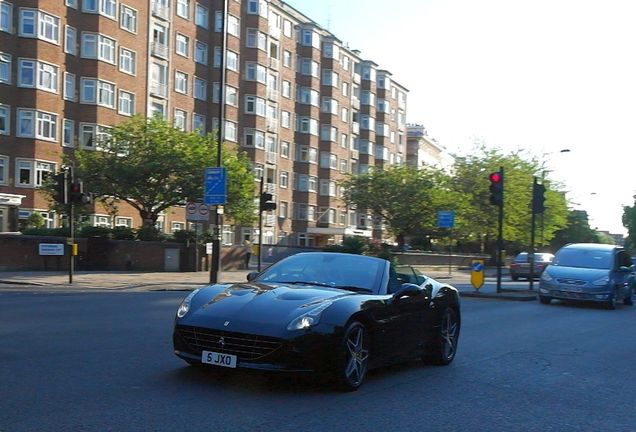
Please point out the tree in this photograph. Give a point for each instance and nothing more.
(577, 231)
(471, 182)
(404, 198)
(153, 166)
(629, 222)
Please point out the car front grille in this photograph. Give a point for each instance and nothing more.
(572, 295)
(565, 281)
(245, 346)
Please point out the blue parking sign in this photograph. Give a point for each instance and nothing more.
(215, 186)
(445, 219)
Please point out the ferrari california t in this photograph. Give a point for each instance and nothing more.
(325, 312)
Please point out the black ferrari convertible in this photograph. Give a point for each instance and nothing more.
(336, 313)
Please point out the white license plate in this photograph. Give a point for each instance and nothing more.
(571, 289)
(218, 359)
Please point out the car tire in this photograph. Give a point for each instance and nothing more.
(354, 365)
(445, 342)
(610, 304)
(545, 300)
(514, 277)
(628, 300)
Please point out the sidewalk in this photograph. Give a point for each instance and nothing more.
(84, 281)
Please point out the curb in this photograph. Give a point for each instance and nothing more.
(499, 296)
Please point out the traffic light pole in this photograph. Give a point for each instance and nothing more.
(215, 265)
(500, 233)
(71, 226)
(533, 222)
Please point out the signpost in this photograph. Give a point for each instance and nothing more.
(477, 273)
(446, 219)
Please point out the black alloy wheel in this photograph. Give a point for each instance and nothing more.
(445, 345)
(355, 363)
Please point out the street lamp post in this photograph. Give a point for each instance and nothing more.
(215, 265)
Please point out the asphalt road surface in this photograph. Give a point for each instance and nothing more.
(104, 362)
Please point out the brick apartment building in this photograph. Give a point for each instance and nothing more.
(305, 107)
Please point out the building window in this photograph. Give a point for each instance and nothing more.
(46, 126)
(200, 87)
(69, 86)
(4, 170)
(232, 59)
(70, 40)
(68, 133)
(182, 45)
(128, 19)
(5, 68)
(198, 124)
(201, 52)
(5, 117)
(126, 103)
(127, 61)
(255, 72)
(38, 24)
(254, 138)
(181, 82)
(254, 105)
(123, 222)
(26, 123)
(201, 17)
(24, 173)
(284, 179)
(180, 119)
(42, 171)
(88, 90)
(98, 46)
(183, 9)
(230, 131)
(177, 226)
(47, 75)
(6, 17)
(91, 135)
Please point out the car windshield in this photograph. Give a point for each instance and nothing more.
(351, 272)
(584, 258)
(521, 258)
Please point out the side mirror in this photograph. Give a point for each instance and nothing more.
(251, 275)
(625, 269)
(408, 290)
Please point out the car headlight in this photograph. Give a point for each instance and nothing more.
(602, 281)
(545, 276)
(308, 319)
(185, 304)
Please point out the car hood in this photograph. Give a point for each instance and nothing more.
(246, 307)
(585, 274)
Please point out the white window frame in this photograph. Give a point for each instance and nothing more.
(26, 165)
(68, 92)
(6, 17)
(180, 119)
(180, 82)
(183, 5)
(201, 16)
(5, 115)
(6, 66)
(201, 52)
(199, 89)
(182, 45)
(4, 170)
(70, 40)
(126, 103)
(128, 19)
(68, 133)
(45, 26)
(199, 124)
(127, 61)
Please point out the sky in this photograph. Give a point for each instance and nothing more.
(535, 76)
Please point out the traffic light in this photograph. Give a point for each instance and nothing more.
(266, 202)
(496, 188)
(77, 195)
(60, 185)
(538, 198)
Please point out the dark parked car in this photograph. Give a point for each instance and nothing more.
(338, 313)
(520, 267)
(589, 271)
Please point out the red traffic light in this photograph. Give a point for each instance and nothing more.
(496, 177)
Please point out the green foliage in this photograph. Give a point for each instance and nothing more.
(122, 233)
(629, 222)
(353, 245)
(153, 166)
(577, 231)
(185, 236)
(53, 232)
(35, 220)
(94, 231)
(150, 233)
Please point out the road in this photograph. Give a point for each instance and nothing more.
(104, 362)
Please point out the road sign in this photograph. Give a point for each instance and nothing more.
(214, 186)
(477, 273)
(445, 219)
(196, 211)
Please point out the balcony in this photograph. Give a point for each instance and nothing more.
(355, 154)
(270, 157)
(355, 127)
(269, 220)
(272, 127)
(272, 94)
(356, 78)
(273, 63)
(161, 11)
(355, 103)
(158, 89)
(159, 49)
